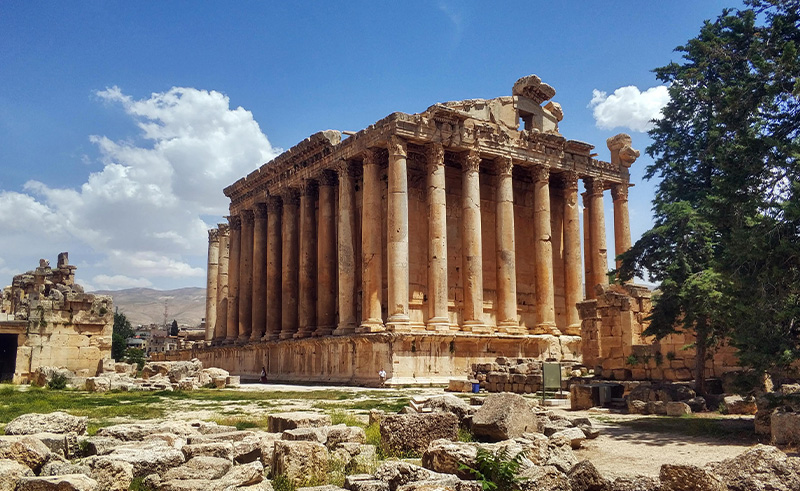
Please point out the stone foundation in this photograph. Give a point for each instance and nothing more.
(409, 359)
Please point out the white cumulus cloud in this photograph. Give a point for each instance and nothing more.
(140, 216)
(628, 107)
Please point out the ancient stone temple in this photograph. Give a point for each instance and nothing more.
(46, 320)
(421, 244)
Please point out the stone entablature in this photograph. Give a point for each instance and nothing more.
(48, 320)
(460, 219)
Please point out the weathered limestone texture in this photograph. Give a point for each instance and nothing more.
(436, 239)
(46, 319)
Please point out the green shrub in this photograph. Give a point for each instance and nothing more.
(497, 471)
(58, 382)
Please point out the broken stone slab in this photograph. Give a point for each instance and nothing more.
(318, 435)
(398, 473)
(69, 482)
(584, 476)
(445, 456)
(327, 487)
(300, 461)
(450, 404)
(459, 385)
(101, 445)
(677, 408)
(689, 478)
(11, 471)
(111, 475)
(222, 450)
(412, 433)
(762, 467)
(636, 483)
(364, 482)
(202, 467)
(55, 422)
(148, 458)
(58, 468)
(503, 416)
(545, 478)
(27, 451)
(241, 476)
(338, 434)
(280, 422)
(64, 445)
(574, 436)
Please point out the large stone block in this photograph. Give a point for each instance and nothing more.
(55, 422)
(785, 428)
(300, 462)
(281, 422)
(504, 416)
(69, 482)
(404, 433)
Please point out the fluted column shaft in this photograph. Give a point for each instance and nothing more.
(346, 251)
(506, 249)
(397, 237)
(259, 272)
(326, 256)
(307, 310)
(274, 259)
(437, 241)
(232, 326)
(572, 253)
(290, 264)
(543, 252)
(597, 230)
(371, 246)
(211, 283)
(622, 225)
(246, 278)
(220, 326)
(471, 246)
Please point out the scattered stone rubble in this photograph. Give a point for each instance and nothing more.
(163, 375)
(53, 452)
(518, 375)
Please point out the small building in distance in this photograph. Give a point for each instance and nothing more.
(46, 319)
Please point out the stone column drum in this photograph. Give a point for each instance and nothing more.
(307, 309)
(506, 249)
(246, 278)
(572, 253)
(622, 226)
(274, 259)
(397, 237)
(220, 326)
(211, 283)
(371, 246)
(346, 251)
(543, 252)
(326, 256)
(471, 247)
(290, 263)
(232, 328)
(437, 241)
(259, 272)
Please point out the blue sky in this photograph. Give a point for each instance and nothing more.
(121, 122)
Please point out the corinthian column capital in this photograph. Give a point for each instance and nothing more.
(540, 173)
(594, 186)
(260, 210)
(504, 165)
(471, 161)
(235, 221)
(397, 146)
(435, 153)
(619, 192)
(569, 180)
(213, 235)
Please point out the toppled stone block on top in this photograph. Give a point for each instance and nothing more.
(280, 422)
(504, 416)
(55, 422)
(402, 433)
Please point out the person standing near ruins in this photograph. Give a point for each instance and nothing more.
(382, 376)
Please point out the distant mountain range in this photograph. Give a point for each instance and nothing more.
(146, 306)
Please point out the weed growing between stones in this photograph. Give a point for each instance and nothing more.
(465, 435)
(497, 471)
(340, 416)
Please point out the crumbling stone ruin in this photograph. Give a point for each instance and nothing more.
(46, 319)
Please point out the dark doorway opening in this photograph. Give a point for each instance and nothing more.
(8, 356)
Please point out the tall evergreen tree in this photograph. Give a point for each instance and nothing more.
(726, 149)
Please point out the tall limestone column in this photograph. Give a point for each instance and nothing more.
(220, 327)
(259, 272)
(371, 275)
(346, 251)
(232, 325)
(326, 256)
(597, 231)
(437, 241)
(622, 225)
(506, 249)
(397, 237)
(274, 259)
(471, 246)
(543, 252)
(290, 263)
(307, 309)
(572, 252)
(587, 247)
(211, 283)
(246, 278)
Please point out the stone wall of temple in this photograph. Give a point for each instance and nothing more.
(46, 319)
(614, 344)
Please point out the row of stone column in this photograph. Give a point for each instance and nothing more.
(286, 265)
